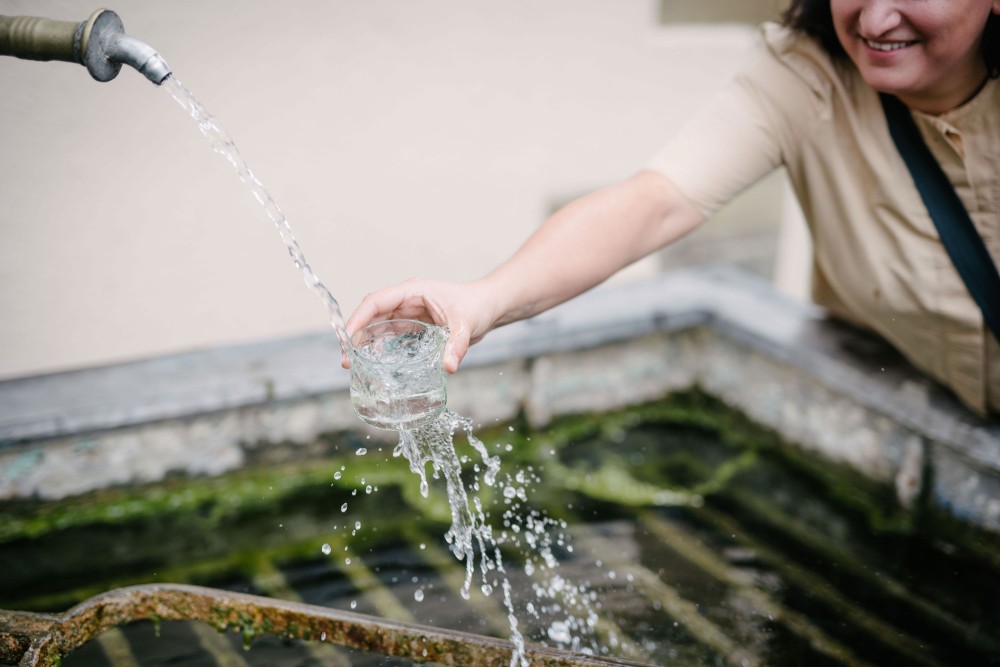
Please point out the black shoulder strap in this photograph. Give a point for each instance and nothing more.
(958, 234)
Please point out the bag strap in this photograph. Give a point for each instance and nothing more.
(958, 234)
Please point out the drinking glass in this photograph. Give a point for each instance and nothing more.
(397, 373)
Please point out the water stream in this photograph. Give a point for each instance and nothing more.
(471, 533)
(223, 144)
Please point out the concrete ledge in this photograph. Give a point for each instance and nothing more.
(833, 390)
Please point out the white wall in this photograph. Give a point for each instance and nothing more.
(400, 138)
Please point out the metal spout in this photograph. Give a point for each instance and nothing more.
(99, 43)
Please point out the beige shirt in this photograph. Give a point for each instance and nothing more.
(878, 260)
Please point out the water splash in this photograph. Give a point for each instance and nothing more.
(566, 606)
(433, 444)
(470, 532)
(223, 144)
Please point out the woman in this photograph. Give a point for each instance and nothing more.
(807, 100)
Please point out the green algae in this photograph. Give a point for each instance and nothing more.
(212, 497)
(744, 459)
(688, 455)
(215, 526)
(693, 474)
(682, 451)
(214, 500)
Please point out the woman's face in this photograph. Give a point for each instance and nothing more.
(926, 52)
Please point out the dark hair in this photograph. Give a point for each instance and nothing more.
(813, 17)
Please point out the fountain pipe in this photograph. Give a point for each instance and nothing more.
(99, 43)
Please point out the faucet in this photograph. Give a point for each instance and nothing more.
(99, 43)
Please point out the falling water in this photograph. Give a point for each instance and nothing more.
(223, 144)
(433, 444)
(528, 531)
(470, 531)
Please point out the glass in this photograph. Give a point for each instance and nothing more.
(397, 373)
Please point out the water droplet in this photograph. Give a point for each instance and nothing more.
(322, 636)
(357, 525)
(327, 549)
(354, 604)
(361, 451)
(559, 632)
(337, 475)
(418, 595)
(347, 561)
(343, 508)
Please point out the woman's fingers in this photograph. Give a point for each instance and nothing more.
(444, 304)
(458, 345)
(375, 307)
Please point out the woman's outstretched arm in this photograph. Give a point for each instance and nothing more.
(580, 246)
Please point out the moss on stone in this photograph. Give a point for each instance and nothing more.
(743, 462)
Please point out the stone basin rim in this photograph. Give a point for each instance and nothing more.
(43, 637)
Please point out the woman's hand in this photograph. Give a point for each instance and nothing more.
(464, 308)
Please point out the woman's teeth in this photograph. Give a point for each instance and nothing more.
(887, 46)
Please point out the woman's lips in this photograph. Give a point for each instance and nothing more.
(886, 47)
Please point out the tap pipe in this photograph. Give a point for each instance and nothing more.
(99, 43)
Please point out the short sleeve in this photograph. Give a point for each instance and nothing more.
(750, 127)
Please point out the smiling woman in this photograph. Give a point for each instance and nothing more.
(929, 54)
(807, 100)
